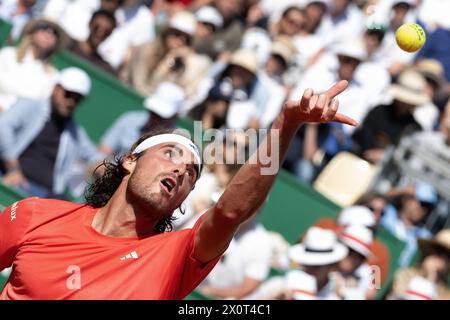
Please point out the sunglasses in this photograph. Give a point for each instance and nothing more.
(44, 26)
(186, 38)
(73, 95)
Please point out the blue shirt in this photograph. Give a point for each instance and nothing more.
(391, 222)
(23, 122)
(437, 47)
(125, 131)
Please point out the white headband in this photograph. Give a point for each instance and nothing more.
(170, 137)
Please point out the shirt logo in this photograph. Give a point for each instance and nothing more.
(132, 255)
(14, 211)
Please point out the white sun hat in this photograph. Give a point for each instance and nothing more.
(184, 22)
(353, 48)
(301, 285)
(320, 247)
(210, 15)
(420, 289)
(357, 215)
(166, 101)
(357, 238)
(75, 80)
(410, 88)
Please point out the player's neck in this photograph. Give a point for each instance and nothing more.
(119, 219)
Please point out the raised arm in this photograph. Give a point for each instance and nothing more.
(249, 188)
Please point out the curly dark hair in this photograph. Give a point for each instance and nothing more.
(99, 192)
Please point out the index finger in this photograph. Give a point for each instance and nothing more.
(337, 88)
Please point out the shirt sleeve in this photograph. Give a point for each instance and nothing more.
(14, 223)
(194, 271)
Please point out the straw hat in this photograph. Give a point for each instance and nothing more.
(245, 58)
(441, 239)
(284, 48)
(410, 88)
(353, 48)
(64, 40)
(431, 69)
(185, 22)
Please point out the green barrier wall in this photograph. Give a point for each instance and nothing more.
(291, 207)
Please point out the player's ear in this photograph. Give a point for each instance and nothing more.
(129, 163)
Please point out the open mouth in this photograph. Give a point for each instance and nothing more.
(169, 184)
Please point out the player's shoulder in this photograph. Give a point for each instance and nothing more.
(35, 203)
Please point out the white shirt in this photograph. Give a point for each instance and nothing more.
(135, 26)
(73, 16)
(357, 284)
(349, 25)
(277, 95)
(30, 78)
(247, 256)
(360, 96)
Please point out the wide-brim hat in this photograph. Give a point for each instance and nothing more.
(410, 88)
(432, 69)
(358, 238)
(320, 247)
(283, 47)
(245, 58)
(441, 239)
(64, 41)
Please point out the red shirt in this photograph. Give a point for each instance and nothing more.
(56, 254)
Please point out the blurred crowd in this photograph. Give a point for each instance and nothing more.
(232, 64)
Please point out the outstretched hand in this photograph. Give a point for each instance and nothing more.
(318, 108)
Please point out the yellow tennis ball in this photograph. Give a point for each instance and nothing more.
(410, 37)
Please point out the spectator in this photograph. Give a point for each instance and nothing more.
(315, 10)
(373, 40)
(318, 255)
(344, 20)
(295, 285)
(239, 76)
(271, 80)
(135, 27)
(419, 288)
(384, 125)
(18, 13)
(209, 20)
(427, 115)
(101, 26)
(228, 39)
(354, 280)
(74, 16)
(405, 219)
(162, 109)
(437, 45)
(434, 266)
(37, 155)
(361, 215)
(214, 110)
(393, 15)
(170, 58)
(243, 267)
(27, 70)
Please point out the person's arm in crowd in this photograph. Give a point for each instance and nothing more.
(89, 153)
(249, 188)
(11, 122)
(247, 286)
(109, 142)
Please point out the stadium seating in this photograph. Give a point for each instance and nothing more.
(291, 207)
